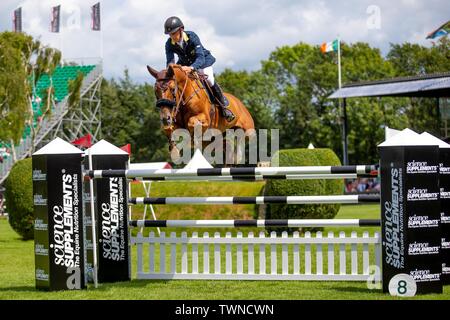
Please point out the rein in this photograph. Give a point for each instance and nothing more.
(180, 100)
(175, 110)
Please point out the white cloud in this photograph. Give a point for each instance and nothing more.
(239, 33)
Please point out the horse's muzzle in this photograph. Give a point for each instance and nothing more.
(167, 122)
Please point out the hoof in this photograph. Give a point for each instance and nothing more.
(228, 115)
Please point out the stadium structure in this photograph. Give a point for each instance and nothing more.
(64, 122)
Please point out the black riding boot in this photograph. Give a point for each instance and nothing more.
(223, 102)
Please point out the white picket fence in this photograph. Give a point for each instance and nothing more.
(294, 257)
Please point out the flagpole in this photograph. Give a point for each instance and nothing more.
(344, 109)
(61, 42)
(101, 45)
(339, 62)
(93, 228)
(100, 29)
(60, 30)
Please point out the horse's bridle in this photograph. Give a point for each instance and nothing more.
(170, 103)
(176, 104)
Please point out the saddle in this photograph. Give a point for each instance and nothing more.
(204, 81)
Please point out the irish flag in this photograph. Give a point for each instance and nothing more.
(329, 46)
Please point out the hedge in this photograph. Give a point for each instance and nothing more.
(19, 198)
(303, 157)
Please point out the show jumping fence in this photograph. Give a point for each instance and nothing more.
(295, 257)
(333, 255)
(250, 257)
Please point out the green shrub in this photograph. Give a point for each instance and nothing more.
(303, 157)
(19, 198)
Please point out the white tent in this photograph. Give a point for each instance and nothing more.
(198, 161)
(389, 133)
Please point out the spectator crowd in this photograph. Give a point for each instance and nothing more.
(362, 185)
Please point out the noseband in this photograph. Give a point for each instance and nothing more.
(173, 103)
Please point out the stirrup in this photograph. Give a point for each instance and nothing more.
(228, 114)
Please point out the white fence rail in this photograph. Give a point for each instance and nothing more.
(295, 257)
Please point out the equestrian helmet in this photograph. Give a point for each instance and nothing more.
(172, 25)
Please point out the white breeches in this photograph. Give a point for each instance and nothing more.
(210, 73)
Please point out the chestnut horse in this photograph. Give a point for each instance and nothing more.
(183, 102)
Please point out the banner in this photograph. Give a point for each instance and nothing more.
(410, 213)
(111, 215)
(54, 27)
(441, 31)
(58, 217)
(84, 141)
(126, 148)
(17, 20)
(95, 15)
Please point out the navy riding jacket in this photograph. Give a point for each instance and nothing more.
(192, 54)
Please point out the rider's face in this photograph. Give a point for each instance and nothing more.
(176, 36)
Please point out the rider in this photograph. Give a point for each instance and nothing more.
(193, 56)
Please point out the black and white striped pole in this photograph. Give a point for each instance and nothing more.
(350, 199)
(330, 172)
(291, 223)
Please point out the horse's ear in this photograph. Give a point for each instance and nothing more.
(170, 73)
(153, 72)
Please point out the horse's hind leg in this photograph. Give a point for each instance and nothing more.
(228, 148)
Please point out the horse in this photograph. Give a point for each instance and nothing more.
(184, 102)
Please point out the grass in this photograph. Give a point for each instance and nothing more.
(17, 279)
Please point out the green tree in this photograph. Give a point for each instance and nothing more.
(256, 90)
(129, 116)
(14, 87)
(411, 60)
(305, 80)
(47, 59)
(23, 61)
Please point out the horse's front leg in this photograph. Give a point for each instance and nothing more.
(197, 125)
(173, 149)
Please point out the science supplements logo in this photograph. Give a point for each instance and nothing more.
(414, 167)
(40, 225)
(39, 200)
(40, 250)
(422, 248)
(444, 194)
(445, 218)
(87, 197)
(66, 233)
(41, 275)
(445, 243)
(425, 275)
(422, 222)
(112, 233)
(443, 169)
(422, 195)
(39, 176)
(393, 227)
(445, 269)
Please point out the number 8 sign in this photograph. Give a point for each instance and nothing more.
(402, 285)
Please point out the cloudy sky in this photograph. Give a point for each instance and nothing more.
(239, 33)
